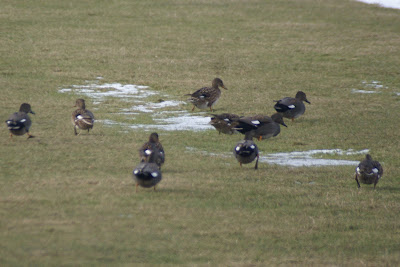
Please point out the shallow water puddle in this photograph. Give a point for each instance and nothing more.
(372, 87)
(298, 158)
(306, 159)
(100, 92)
(167, 120)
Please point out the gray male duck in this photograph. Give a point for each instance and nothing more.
(207, 97)
(246, 151)
(260, 127)
(81, 117)
(19, 122)
(290, 107)
(368, 171)
(147, 174)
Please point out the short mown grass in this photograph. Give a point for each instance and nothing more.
(69, 200)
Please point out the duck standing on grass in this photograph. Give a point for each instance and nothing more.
(246, 151)
(225, 123)
(260, 127)
(207, 97)
(82, 118)
(147, 174)
(290, 107)
(147, 149)
(368, 171)
(19, 122)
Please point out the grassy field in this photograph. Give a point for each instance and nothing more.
(70, 201)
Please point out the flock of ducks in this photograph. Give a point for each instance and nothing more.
(152, 156)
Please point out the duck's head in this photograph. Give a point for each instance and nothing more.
(217, 82)
(368, 157)
(25, 107)
(302, 96)
(80, 103)
(278, 118)
(153, 138)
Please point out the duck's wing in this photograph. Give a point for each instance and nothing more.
(83, 116)
(377, 168)
(285, 104)
(19, 120)
(203, 93)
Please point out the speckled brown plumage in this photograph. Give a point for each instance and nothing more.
(225, 123)
(82, 118)
(19, 122)
(207, 97)
(152, 145)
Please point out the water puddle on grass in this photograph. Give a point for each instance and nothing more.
(167, 114)
(373, 87)
(298, 158)
(307, 159)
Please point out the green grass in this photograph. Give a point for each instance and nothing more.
(70, 201)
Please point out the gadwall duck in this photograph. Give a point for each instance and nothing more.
(368, 171)
(225, 123)
(146, 150)
(148, 174)
(19, 122)
(207, 97)
(260, 127)
(246, 151)
(290, 107)
(82, 118)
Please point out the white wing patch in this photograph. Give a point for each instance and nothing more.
(237, 148)
(79, 117)
(358, 170)
(136, 171)
(255, 122)
(23, 120)
(375, 170)
(291, 106)
(252, 146)
(147, 151)
(154, 174)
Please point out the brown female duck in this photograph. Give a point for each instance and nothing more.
(207, 97)
(225, 123)
(82, 118)
(146, 150)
